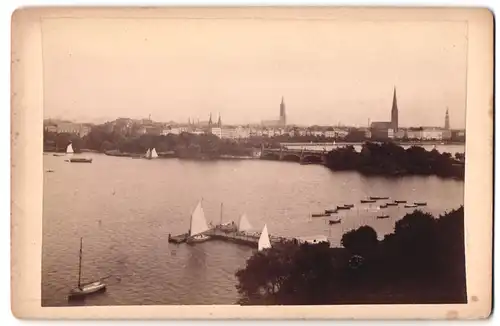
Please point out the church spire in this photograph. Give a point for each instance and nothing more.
(394, 112)
(219, 122)
(210, 120)
(447, 120)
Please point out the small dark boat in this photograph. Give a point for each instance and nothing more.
(334, 222)
(349, 205)
(382, 216)
(364, 201)
(80, 160)
(58, 154)
(383, 206)
(410, 206)
(421, 203)
(377, 198)
(400, 201)
(392, 204)
(178, 238)
(320, 214)
(330, 211)
(50, 170)
(343, 207)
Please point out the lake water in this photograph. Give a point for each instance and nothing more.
(125, 208)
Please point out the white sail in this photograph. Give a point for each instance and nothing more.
(148, 153)
(153, 153)
(264, 241)
(69, 149)
(198, 221)
(244, 224)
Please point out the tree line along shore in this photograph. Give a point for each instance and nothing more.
(421, 262)
(385, 159)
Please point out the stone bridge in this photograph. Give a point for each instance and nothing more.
(303, 156)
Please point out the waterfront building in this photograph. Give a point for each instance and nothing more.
(72, 128)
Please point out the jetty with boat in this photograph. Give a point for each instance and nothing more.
(242, 232)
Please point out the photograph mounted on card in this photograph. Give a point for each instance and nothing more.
(252, 162)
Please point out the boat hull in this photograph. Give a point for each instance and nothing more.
(81, 160)
(197, 239)
(88, 289)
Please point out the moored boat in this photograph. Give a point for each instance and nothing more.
(331, 211)
(420, 203)
(343, 207)
(383, 206)
(69, 149)
(85, 289)
(151, 153)
(264, 240)
(400, 201)
(382, 216)
(334, 221)
(365, 201)
(80, 160)
(392, 204)
(320, 214)
(377, 197)
(198, 226)
(410, 206)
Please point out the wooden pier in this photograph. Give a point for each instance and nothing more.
(244, 238)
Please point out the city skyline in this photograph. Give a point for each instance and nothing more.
(329, 72)
(282, 115)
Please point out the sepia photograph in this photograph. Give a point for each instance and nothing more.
(257, 157)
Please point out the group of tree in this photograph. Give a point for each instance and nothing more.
(421, 262)
(390, 159)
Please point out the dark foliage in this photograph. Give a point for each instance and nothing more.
(389, 159)
(422, 261)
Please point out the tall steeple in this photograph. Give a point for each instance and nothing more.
(394, 112)
(219, 122)
(282, 112)
(210, 120)
(447, 120)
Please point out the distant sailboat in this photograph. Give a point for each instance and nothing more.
(151, 153)
(244, 225)
(69, 149)
(198, 225)
(264, 241)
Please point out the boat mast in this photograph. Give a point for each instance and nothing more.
(221, 204)
(80, 265)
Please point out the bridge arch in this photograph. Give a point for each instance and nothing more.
(269, 156)
(291, 157)
(312, 159)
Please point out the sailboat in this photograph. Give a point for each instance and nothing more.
(198, 226)
(88, 288)
(264, 241)
(69, 149)
(228, 226)
(151, 153)
(243, 224)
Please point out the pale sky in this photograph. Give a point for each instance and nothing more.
(329, 71)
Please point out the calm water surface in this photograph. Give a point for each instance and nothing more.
(125, 208)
